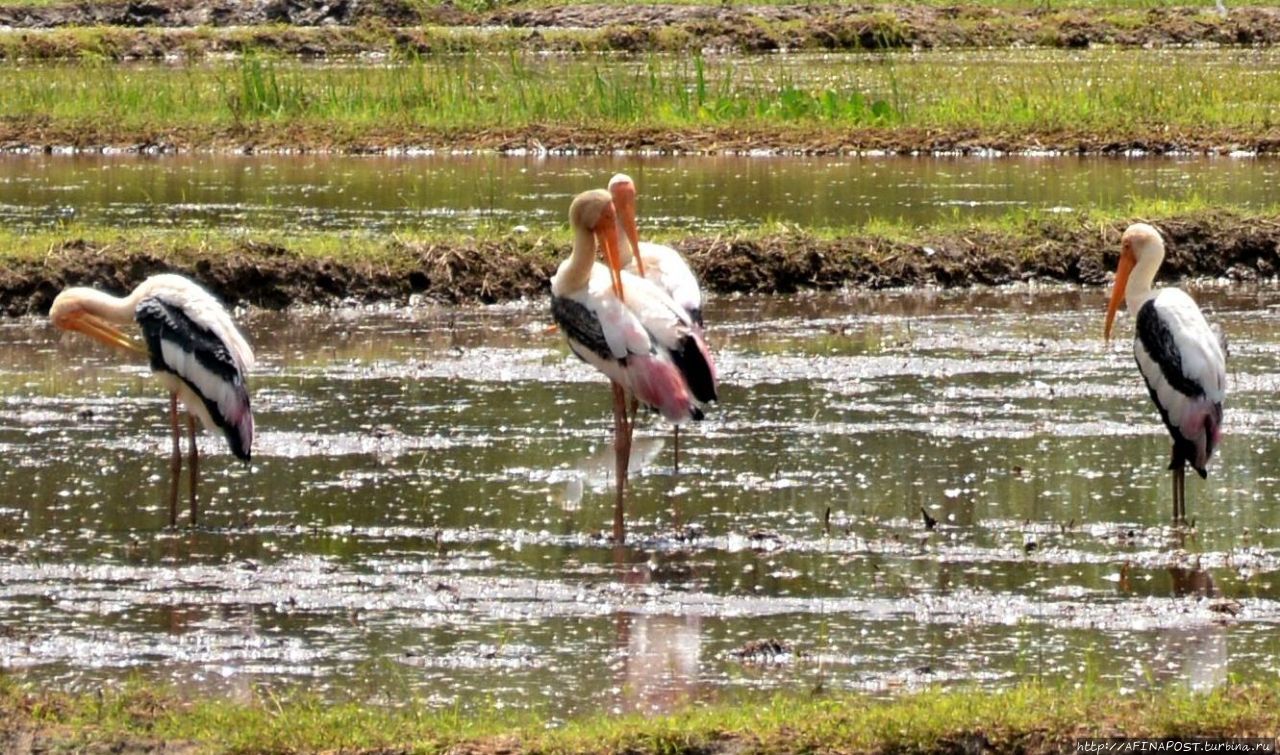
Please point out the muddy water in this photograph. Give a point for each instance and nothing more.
(454, 194)
(423, 517)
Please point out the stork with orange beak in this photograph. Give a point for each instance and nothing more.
(194, 348)
(665, 268)
(1180, 357)
(627, 329)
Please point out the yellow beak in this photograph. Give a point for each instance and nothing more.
(104, 332)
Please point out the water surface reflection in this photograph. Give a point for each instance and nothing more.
(424, 517)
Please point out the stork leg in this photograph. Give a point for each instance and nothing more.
(1179, 492)
(1182, 495)
(175, 463)
(1179, 468)
(195, 464)
(675, 434)
(622, 458)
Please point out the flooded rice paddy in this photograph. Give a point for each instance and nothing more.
(424, 515)
(455, 194)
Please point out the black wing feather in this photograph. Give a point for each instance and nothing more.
(692, 363)
(581, 325)
(163, 321)
(1153, 333)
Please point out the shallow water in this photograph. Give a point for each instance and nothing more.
(703, 194)
(424, 515)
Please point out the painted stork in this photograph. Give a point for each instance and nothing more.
(628, 329)
(1179, 355)
(195, 351)
(659, 264)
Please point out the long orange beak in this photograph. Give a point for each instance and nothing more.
(102, 331)
(628, 211)
(1127, 261)
(606, 239)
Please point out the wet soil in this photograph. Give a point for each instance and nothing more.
(1211, 244)
(640, 28)
(37, 134)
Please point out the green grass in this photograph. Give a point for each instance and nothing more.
(1034, 717)
(1115, 91)
(387, 249)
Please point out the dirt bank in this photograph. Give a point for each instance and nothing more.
(177, 13)
(41, 135)
(1206, 244)
(391, 25)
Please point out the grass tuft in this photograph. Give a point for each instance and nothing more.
(1031, 717)
(1107, 92)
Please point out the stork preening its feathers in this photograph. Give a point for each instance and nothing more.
(194, 349)
(630, 330)
(1181, 357)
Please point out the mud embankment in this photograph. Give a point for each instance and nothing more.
(1207, 244)
(38, 134)
(183, 13)
(345, 27)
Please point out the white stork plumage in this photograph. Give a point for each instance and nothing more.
(660, 265)
(628, 329)
(1180, 356)
(195, 351)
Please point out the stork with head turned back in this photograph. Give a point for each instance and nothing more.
(629, 330)
(660, 265)
(1180, 356)
(194, 348)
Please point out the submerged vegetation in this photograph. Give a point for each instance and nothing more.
(1031, 717)
(1026, 97)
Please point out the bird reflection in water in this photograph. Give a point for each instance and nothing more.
(662, 653)
(595, 472)
(1193, 655)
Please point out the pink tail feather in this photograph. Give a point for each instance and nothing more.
(658, 383)
(1201, 424)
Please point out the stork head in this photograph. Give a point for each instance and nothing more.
(593, 212)
(92, 313)
(623, 191)
(1139, 243)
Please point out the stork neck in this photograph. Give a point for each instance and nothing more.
(625, 252)
(577, 271)
(114, 309)
(1138, 289)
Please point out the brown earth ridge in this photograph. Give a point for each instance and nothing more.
(37, 134)
(1207, 244)
(344, 27)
